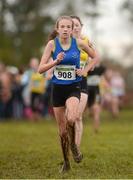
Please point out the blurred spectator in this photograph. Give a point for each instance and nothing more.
(5, 93)
(118, 87)
(94, 99)
(37, 90)
(48, 110)
(16, 90)
(26, 78)
(109, 101)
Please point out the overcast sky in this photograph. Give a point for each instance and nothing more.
(113, 30)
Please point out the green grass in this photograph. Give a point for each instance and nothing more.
(32, 150)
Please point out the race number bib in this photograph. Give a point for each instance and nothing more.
(93, 80)
(65, 72)
(82, 64)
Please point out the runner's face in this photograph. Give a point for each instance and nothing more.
(77, 27)
(64, 28)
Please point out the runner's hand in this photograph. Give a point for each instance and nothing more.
(60, 57)
(79, 72)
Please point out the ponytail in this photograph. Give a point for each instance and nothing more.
(52, 35)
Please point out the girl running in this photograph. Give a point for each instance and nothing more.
(66, 83)
(84, 59)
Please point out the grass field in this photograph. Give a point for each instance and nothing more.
(32, 150)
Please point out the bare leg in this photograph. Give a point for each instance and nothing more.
(72, 105)
(115, 106)
(79, 123)
(96, 109)
(62, 124)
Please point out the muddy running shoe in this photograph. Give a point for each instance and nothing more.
(65, 167)
(77, 155)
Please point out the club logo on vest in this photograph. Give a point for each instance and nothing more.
(75, 55)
